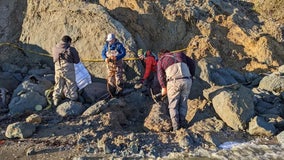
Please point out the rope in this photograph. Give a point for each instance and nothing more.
(101, 60)
(180, 50)
(84, 60)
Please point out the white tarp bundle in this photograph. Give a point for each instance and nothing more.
(83, 78)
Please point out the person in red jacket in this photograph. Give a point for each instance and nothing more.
(150, 80)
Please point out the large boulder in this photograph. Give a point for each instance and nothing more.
(280, 138)
(26, 102)
(28, 94)
(234, 104)
(258, 126)
(94, 92)
(210, 71)
(33, 84)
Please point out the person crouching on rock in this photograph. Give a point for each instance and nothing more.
(64, 57)
(175, 73)
(149, 79)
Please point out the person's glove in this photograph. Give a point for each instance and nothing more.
(164, 91)
(139, 84)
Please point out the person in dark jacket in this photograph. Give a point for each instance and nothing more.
(64, 57)
(112, 53)
(175, 72)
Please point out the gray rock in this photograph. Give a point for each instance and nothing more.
(96, 108)
(33, 84)
(114, 102)
(8, 81)
(80, 158)
(255, 82)
(205, 67)
(263, 95)
(197, 88)
(282, 95)
(30, 151)
(40, 72)
(70, 108)
(185, 142)
(134, 147)
(263, 107)
(94, 92)
(253, 78)
(273, 83)
(213, 138)
(274, 119)
(210, 93)
(239, 77)
(28, 94)
(7, 67)
(281, 69)
(258, 126)
(210, 71)
(34, 118)
(280, 138)
(234, 104)
(222, 77)
(26, 102)
(20, 130)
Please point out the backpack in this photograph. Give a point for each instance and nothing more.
(66, 55)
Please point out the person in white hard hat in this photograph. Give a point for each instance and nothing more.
(112, 53)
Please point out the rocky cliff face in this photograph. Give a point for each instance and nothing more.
(232, 30)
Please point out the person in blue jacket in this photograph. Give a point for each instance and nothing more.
(113, 52)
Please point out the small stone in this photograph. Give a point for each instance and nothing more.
(34, 118)
(38, 107)
(184, 142)
(107, 149)
(30, 151)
